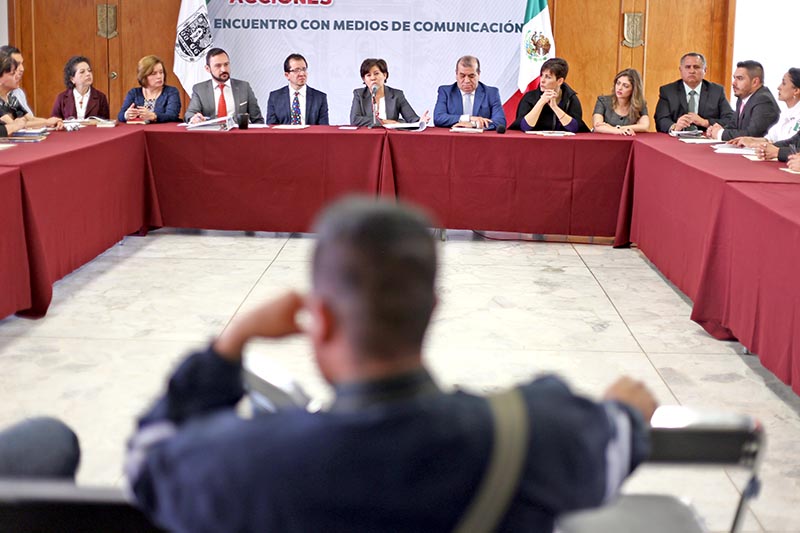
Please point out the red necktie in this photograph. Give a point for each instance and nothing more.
(222, 108)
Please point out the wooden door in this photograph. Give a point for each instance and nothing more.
(589, 36)
(146, 27)
(50, 31)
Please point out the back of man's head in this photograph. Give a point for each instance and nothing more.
(375, 267)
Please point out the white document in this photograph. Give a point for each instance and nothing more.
(466, 130)
(731, 149)
(701, 140)
(211, 124)
(410, 126)
(686, 133)
(752, 157)
(551, 133)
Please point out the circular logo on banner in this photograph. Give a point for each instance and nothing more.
(537, 46)
(194, 37)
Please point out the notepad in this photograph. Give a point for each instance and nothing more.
(551, 133)
(703, 140)
(466, 130)
(733, 149)
(752, 157)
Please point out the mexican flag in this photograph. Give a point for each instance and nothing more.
(192, 41)
(537, 46)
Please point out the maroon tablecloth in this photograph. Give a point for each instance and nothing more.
(513, 182)
(259, 179)
(15, 286)
(726, 231)
(677, 192)
(749, 286)
(81, 192)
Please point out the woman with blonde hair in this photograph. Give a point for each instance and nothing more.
(624, 112)
(154, 101)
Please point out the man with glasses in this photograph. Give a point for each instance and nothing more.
(221, 96)
(297, 103)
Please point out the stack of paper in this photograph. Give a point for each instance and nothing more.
(551, 133)
(733, 149)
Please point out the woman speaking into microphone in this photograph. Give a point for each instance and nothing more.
(377, 104)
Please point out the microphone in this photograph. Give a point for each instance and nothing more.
(374, 91)
(501, 129)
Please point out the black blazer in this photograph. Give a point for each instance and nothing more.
(788, 146)
(713, 106)
(547, 119)
(758, 115)
(396, 105)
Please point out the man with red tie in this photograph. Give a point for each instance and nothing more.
(297, 103)
(222, 95)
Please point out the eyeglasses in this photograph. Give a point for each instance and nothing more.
(301, 70)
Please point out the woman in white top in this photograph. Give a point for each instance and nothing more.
(789, 122)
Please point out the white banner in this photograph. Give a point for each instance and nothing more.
(192, 40)
(419, 39)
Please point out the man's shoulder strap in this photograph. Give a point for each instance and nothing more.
(500, 480)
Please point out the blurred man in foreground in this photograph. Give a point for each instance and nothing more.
(393, 452)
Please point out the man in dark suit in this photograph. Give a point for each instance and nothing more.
(692, 102)
(221, 93)
(297, 103)
(756, 108)
(486, 109)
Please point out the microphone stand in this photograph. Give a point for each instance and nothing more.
(374, 107)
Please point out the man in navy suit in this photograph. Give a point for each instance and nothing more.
(297, 103)
(756, 108)
(486, 109)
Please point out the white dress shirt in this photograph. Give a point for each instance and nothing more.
(697, 90)
(81, 103)
(467, 112)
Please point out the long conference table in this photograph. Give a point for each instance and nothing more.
(723, 229)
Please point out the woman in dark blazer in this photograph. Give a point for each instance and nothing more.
(553, 106)
(154, 101)
(80, 100)
(391, 103)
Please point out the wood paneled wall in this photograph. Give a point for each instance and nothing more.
(51, 31)
(589, 36)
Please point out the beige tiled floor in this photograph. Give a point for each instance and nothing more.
(508, 310)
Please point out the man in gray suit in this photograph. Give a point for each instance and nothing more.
(756, 108)
(692, 102)
(221, 95)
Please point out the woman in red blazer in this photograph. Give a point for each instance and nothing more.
(80, 100)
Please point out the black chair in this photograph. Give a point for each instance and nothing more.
(28, 506)
(680, 436)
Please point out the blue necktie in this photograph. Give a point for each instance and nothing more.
(296, 108)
